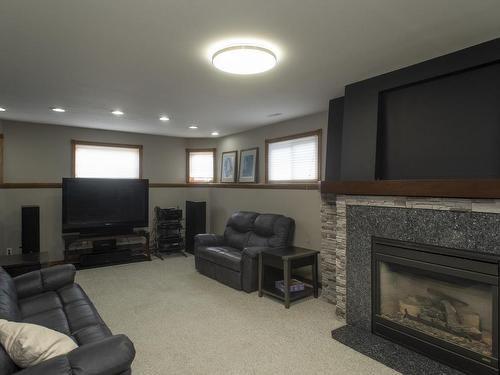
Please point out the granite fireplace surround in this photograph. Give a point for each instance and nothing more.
(349, 222)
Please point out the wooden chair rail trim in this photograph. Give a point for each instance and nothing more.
(472, 188)
(58, 185)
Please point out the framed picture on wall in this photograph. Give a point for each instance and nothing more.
(228, 166)
(249, 165)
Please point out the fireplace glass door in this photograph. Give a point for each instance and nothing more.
(438, 301)
(453, 309)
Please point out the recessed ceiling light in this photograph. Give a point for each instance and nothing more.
(117, 112)
(193, 127)
(275, 114)
(215, 133)
(59, 109)
(164, 118)
(2, 109)
(244, 59)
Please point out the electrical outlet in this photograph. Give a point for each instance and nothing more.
(9, 251)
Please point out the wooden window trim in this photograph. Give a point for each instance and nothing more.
(75, 142)
(188, 151)
(318, 133)
(1, 158)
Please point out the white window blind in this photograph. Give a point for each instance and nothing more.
(201, 166)
(107, 161)
(294, 159)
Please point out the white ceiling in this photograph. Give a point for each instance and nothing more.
(149, 57)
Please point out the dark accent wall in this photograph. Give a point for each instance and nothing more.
(447, 127)
(397, 99)
(334, 140)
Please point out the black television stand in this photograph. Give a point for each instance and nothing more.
(79, 249)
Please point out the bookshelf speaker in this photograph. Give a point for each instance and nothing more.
(195, 222)
(30, 229)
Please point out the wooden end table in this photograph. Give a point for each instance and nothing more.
(286, 259)
(17, 264)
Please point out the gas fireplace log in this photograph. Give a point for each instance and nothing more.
(443, 315)
(470, 319)
(487, 338)
(451, 314)
(408, 307)
(443, 296)
(466, 332)
(469, 332)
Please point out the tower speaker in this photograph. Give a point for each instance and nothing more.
(30, 229)
(196, 222)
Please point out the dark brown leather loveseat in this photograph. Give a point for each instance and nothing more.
(232, 258)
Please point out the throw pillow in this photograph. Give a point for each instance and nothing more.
(29, 344)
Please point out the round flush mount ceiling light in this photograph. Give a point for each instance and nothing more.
(193, 127)
(164, 118)
(215, 133)
(59, 109)
(2, 109)
(117, 112)
(244, 59)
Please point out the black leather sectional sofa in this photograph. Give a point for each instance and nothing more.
(232, 258)
(51, 298)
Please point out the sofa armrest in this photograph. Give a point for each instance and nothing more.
(254, 251)
(110, 356)
(208, 240)
(46, 279)
(250, 265)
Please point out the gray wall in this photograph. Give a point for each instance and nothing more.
(302, 205)
(42, 153)
(257, 137)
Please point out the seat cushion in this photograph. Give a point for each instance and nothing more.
(242, 221)
(238, 229)
(67, 310)
(222, 255)
(9, 310)
(54, 319)
(92, 333)
(81, 314)
(40, 303)
(236, 240)
(272, 230)
(8, 298)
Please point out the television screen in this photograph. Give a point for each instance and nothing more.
(104, 204)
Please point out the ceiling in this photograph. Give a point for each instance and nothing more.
(150, 57)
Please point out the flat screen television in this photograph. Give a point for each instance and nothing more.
(104, 205)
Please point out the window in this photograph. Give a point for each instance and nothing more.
(106, 160)
(294, 159)
(200, 164)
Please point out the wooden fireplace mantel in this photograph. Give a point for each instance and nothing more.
(479, 189)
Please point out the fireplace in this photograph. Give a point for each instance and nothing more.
(438, 301)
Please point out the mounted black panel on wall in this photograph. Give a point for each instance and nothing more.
(463, 75)
(444, 128)
(30, 229)
(334, 139)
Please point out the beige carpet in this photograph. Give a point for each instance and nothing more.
(184, 323)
